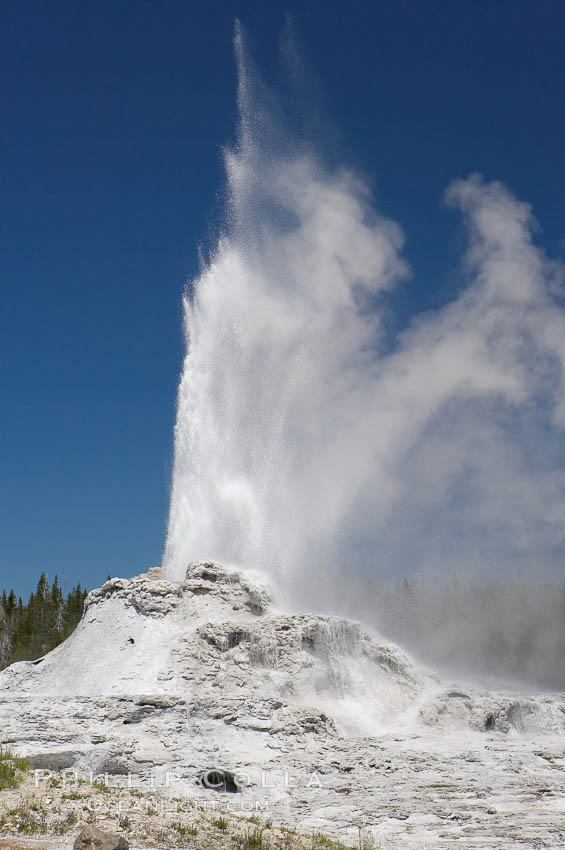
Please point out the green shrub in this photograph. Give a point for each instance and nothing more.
(184, 831)
(250, 840)
(12, 768)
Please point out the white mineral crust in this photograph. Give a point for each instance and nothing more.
(324, 724)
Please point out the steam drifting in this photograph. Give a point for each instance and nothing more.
(303, 442)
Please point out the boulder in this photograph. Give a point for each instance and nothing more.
(92, 838)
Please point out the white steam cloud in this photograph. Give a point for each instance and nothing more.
(304, 443)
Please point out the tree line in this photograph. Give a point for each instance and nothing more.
(513, 631)
(28, 631)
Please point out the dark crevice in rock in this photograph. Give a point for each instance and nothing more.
(490, 723)
(215, 779)
(236, 637)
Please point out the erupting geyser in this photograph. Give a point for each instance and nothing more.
(305, 438)
(273, 427)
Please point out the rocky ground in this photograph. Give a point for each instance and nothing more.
(49, 812)
(310, 722)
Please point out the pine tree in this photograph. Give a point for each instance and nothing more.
(29, 631)
(11, 604)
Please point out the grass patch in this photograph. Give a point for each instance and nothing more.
(29, 821)
(320, 841)
(250, 840)
(73, 795)
(185, 831)
(12, 768)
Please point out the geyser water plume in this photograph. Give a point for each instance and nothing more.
(280, 346)
(304, 443)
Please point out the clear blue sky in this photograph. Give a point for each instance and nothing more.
(113, 118)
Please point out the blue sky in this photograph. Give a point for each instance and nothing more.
(114, 116)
